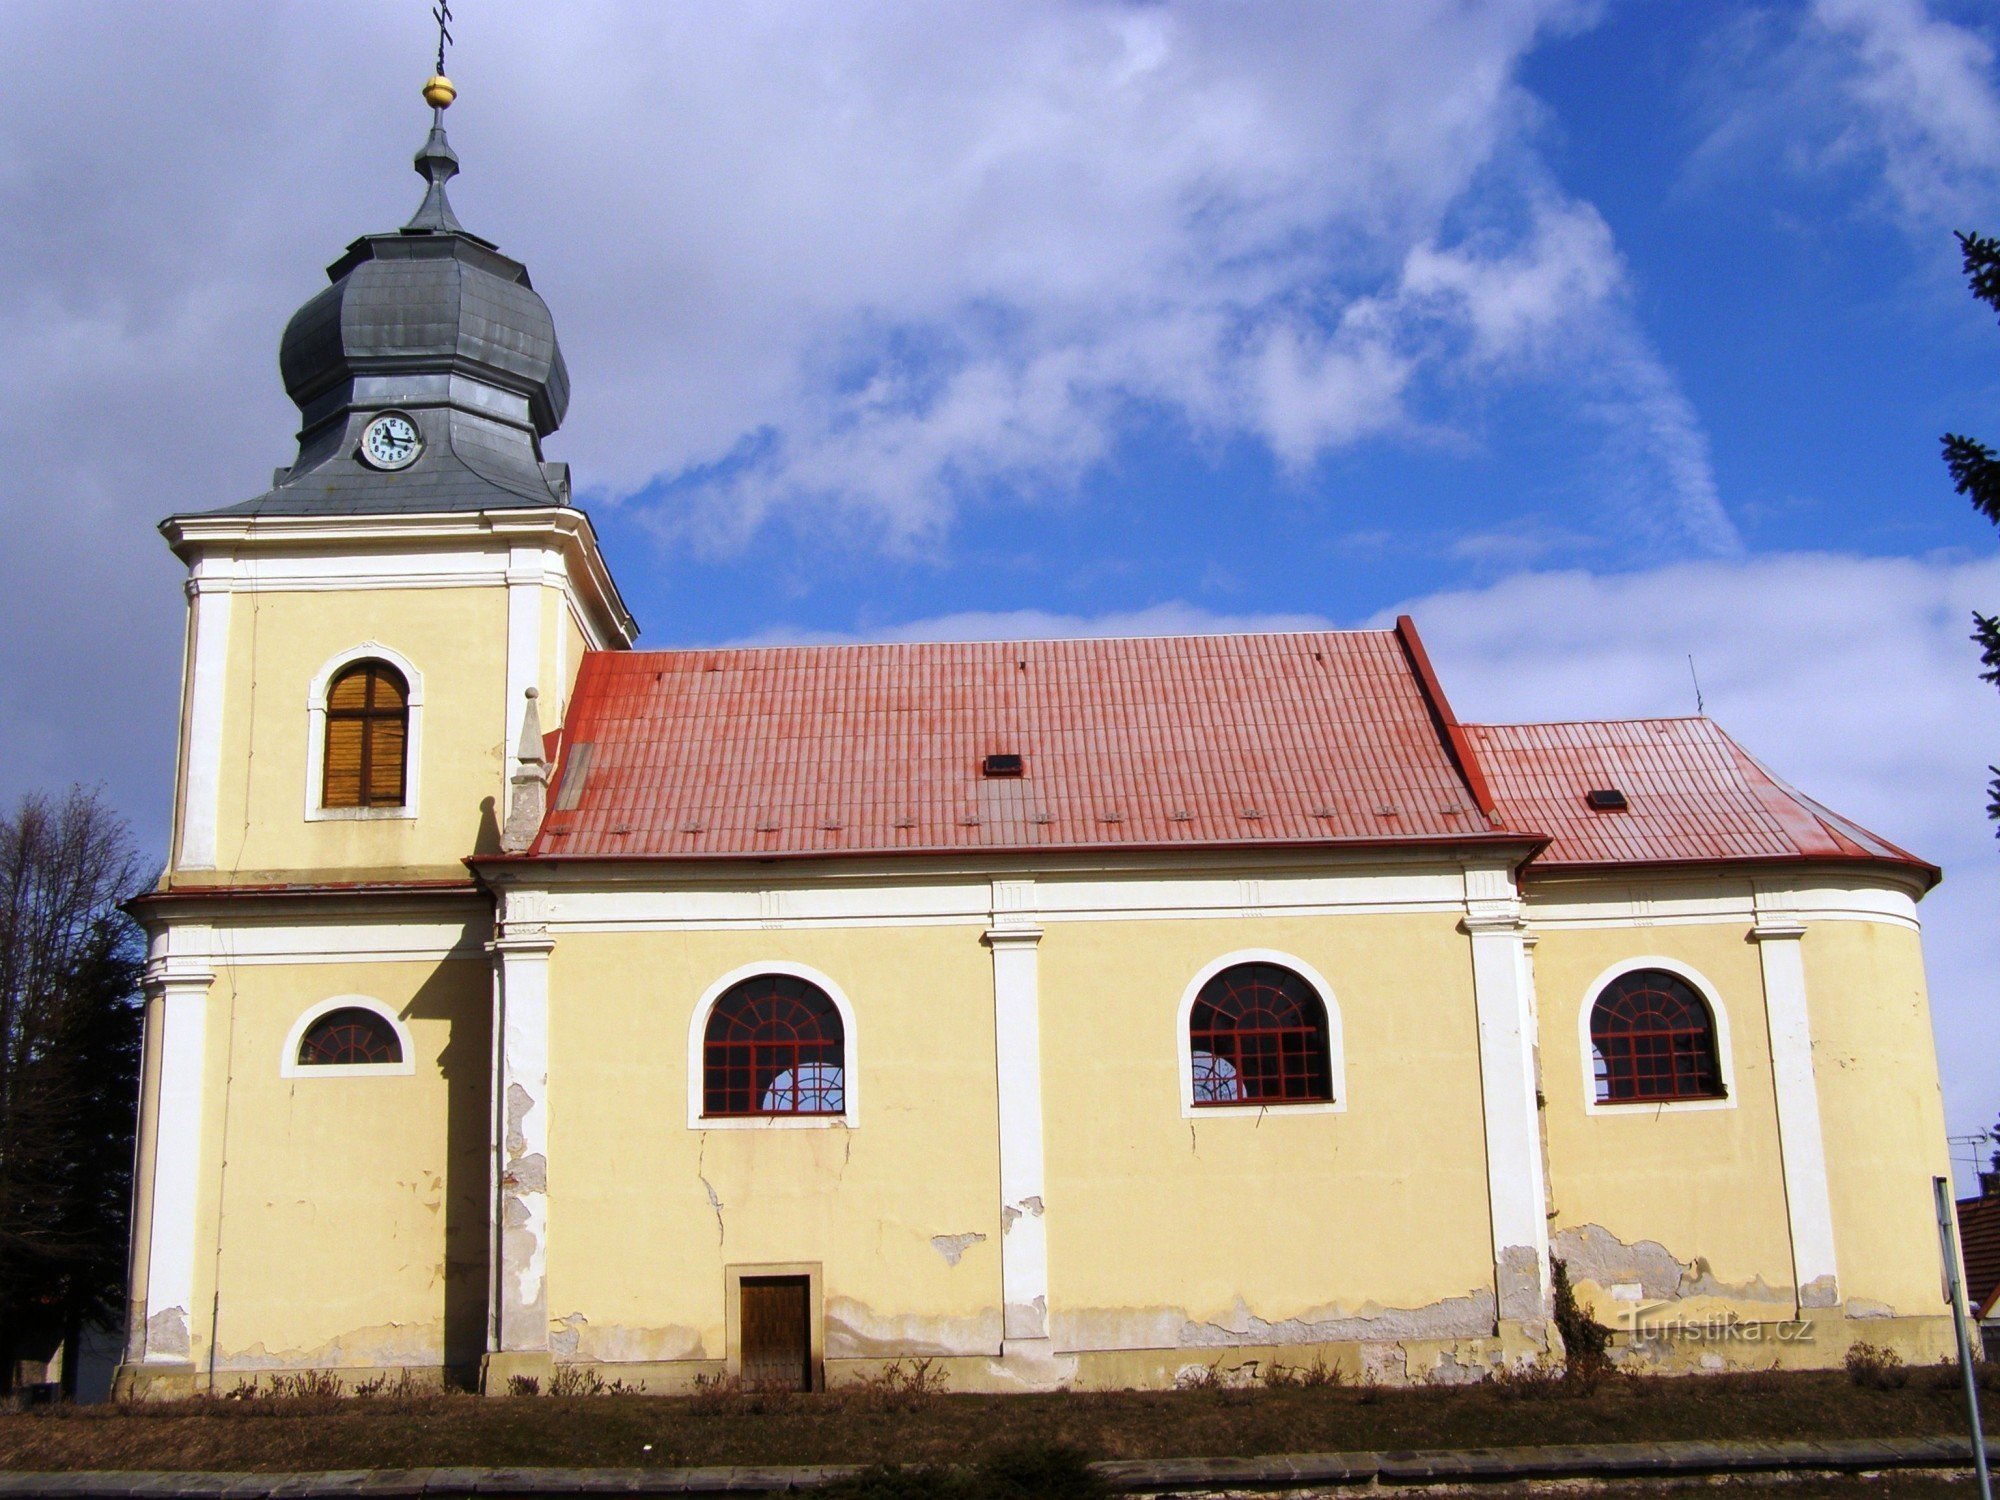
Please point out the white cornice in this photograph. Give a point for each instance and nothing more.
(438, 550)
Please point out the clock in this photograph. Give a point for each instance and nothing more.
(391, 441)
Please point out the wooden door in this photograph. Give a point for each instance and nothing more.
(776, 1328)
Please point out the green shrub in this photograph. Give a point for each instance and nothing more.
(1586, 1342)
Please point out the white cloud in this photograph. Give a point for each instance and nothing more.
(1926, 89)
(1850, 677)
(1889, 89)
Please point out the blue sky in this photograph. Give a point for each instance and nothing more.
(1596, 335)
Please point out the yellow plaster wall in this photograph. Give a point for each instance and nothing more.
(351, 1211)
(1706, 1184)
(1155, 1219)
(1881, 1111)
(645, 1212)
(279, 642)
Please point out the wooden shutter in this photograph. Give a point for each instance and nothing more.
(343, 762)
(385, 762)
(367, 737)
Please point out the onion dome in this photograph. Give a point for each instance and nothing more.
(426, 373)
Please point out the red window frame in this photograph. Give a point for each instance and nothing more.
(769, 1028)
(1267, 1026)
(349, 1036)
(1654, 1037)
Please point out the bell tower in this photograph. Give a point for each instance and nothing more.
(366, 637)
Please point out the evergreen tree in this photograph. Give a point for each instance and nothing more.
(1975, 470)
(69, 1054)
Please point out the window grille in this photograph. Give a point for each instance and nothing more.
(774, 1045)
(349, 1035)
(1258, 1035)
(1652, 1039)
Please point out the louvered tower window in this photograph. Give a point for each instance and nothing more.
(367, 735)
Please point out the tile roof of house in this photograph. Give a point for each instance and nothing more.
(1316, 738)
(1979, 1248)
(1693, 795)
(1143, 742)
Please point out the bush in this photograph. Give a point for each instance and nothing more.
(895, 1387)
(1586, 1342)
(1313, 1376)
(1876, 1369)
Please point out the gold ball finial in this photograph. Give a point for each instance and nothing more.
(439, 92)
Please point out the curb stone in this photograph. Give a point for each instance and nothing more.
(1128, 1476)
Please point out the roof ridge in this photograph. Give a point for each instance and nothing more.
(1708, 719)
(1008, 640)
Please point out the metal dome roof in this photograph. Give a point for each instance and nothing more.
(433, 322)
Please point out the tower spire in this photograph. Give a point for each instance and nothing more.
(437, 163)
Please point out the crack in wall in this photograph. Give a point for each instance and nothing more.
(714, 1203)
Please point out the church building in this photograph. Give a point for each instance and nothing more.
(1066, 1012)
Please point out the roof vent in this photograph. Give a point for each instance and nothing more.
(1001, 765)
(1606, 799)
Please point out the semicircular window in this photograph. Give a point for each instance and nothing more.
(1258, 1035)
(1652, 1039)
(774, 1045)
(348, 1036)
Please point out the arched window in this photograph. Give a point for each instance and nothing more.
(1652, 1040)
(774, 1045)
(367, 736)
(347, 1036)
(1257, 1034)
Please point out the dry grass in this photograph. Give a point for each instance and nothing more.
(908, 1417)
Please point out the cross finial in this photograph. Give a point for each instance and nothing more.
(441, 13)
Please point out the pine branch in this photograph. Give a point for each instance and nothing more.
(1975, 473)
(1986, 635)
(1982, 266)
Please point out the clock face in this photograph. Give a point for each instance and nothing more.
(391, 441)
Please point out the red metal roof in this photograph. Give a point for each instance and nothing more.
(1332, 737)
(1694, 795)
(1163, 741)
(1979, 1248)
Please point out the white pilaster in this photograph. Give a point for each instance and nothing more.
(527, 567)
(520, 1320)
(1504, 1002)
(1017, 1035)
(177, 993)
(1801, 1148)
(210, 589)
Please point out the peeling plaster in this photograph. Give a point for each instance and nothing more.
(1821, 1291)
(1862, 1307)
(1008, 1214)
(385, 1346)
(1469, 1316)
(167, 1335)
(856, 1331)
(576, 1337)
(953, 1246)
(1517, 1270)
(1448, 1371)
(1593, 1253)
(519, 1102)
(527, 1174)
